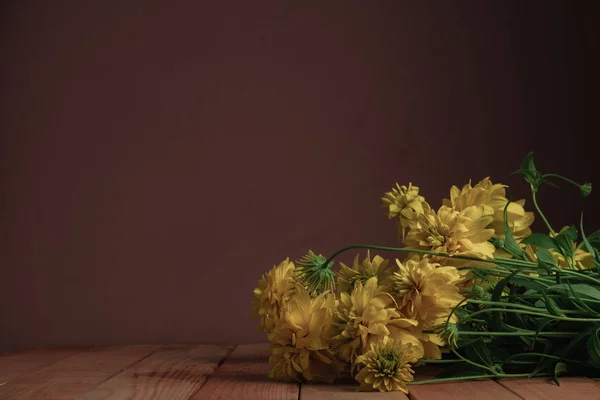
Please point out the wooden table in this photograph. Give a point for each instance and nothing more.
(221, 372)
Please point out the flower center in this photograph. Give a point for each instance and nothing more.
(387, 363)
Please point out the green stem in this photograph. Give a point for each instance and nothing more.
(539, 355)
(540, 297)
(515, 305)
(556, 317)
(471, 377)
(579, 275)
(540, 211)
(446, 361)
(507, 261)
(522, 333)
(456, 353)
(563, 178)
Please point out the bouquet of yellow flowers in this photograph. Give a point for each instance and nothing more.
(475, 290)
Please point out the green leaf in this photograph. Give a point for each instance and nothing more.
(569, 234)
(587, 241)
(583, 290)
(478, 352)
(565, 240)
(593, 347)
(545, 260)
(496, 293)
(529, 283)
(510, 243)
(540, 327)
(540, 240)
(559, 368)
(551, 306)
(594, 238)
(578, 302)
(531, 174)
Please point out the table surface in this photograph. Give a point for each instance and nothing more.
(222, 372)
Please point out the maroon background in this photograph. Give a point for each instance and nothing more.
(158, 157)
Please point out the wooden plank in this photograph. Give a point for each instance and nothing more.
(173, 372)
(487, 389)
(244, 376)
(14, 365)
(483, 388)
(544, 388)
(73, 376)
(344, 389)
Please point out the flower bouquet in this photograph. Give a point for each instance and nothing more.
(473, 288)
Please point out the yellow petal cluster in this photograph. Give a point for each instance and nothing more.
(365, 316)
(387, 365)
(427, 293)
(493, 198)
(273, 291)
(453, 232)
(300, 339)
(347, 276)
(581, 258)
(404, 204)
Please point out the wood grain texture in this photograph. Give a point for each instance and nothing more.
(173, 372)
(478, 389)
(70, 377)
(21, 363)
(344, 390)
(484, 389)
(244, 376)
(544, 388)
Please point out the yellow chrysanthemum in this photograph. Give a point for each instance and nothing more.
(365, 316)
(581, 258)
(274, 289)
(493, 198)
(301, 339)
(387, 366)
(404, 204)
(426, 291)
(432, 343)
(453, 232)
(362, 271)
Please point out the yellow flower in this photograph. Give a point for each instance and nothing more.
(581, 258)
(361, 272)
(453, 232)
(365, 316)
(431, 342)
(493, 198)
(426, 291)
(404, 204)
(274, 289)
(301, 339)
(387, 366)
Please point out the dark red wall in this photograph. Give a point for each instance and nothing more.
(158, 157)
